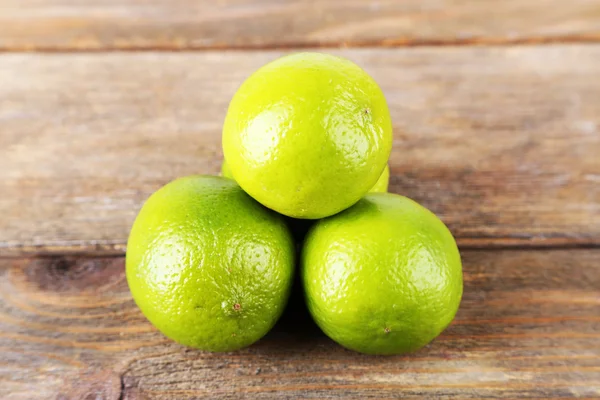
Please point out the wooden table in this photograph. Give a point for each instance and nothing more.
(496, 110)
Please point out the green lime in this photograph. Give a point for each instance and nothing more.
(382, 277)
(226, 171)
(380, 186)
(308, 135)
(208, 266)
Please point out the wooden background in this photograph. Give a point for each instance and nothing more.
(496, 111)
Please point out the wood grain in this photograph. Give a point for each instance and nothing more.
(528, 327)
(502, 143)
(53, 25)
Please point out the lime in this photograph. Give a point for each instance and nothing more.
(207, 265)
(382, 277)
(380, 186)
(226, 171)
(308, 135)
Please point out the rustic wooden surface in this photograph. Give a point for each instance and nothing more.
(496, 110)
(53, 25)
(528, 327)
(502, 143)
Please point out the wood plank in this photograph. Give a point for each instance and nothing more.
(528, 327)
(183, 24)
(502, 143)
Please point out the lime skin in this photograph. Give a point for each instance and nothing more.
(381, 186)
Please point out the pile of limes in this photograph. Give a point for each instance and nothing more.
(211, 260)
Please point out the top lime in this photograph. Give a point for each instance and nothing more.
(209, 266)
(381, 186)
(308, 135)
(382, 277)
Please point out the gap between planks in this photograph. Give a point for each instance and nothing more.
(119, 250)
(592, 38)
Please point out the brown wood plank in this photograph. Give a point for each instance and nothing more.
(185, 24)
(502, 143)
(528, 327)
